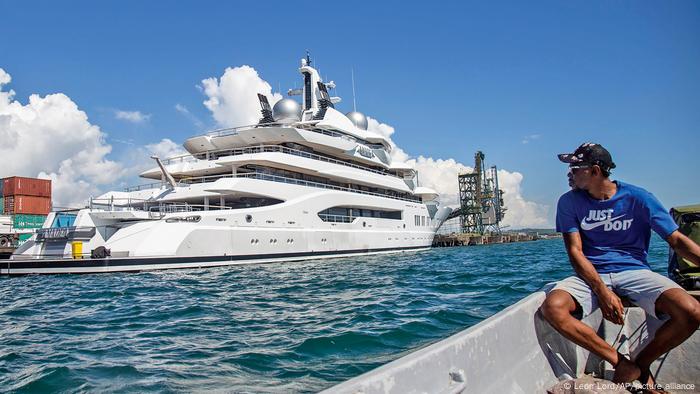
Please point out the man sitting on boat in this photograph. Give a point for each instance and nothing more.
(607, 227)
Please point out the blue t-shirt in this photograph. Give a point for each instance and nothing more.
(615, 233)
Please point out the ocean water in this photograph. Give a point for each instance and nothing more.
(283, 327)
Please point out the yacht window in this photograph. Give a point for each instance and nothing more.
(187, 219)
(348, 214)
(63, 219)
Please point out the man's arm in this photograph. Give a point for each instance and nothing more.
(684, 247)
(610, 303)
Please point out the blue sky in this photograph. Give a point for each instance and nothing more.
(450, 77)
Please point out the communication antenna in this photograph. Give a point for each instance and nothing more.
(352, 76)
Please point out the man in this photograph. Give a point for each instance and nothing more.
(606, 227)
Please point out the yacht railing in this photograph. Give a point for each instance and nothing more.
(156, 209)
(144, 186)
(272, 148)
(336, 218)
(277, 178)
(304, 126)
(311, 126)
(235, 130)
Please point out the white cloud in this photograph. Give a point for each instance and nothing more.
(440, 175)
(51, 137)
(233, 100)
(132, 116)
(139, 159)
(165, 148)
(521, 213)
(5, 78)
(375, 126)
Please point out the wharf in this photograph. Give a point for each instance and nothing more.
(467, 239)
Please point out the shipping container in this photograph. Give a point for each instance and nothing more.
(27, 204)
(24, 237)
(21, 186)
(2, 204)
(2, 185)
(22, 220)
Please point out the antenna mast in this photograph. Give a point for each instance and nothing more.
(352, 75)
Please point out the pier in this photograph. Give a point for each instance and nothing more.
(467, 239)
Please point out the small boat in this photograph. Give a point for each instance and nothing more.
(517, 351)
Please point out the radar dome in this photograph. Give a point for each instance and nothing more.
(358, 119)
(286, 109)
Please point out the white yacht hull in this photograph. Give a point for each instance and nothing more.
(125, 264)
(287, 231)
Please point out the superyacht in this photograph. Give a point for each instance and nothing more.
(306, 181)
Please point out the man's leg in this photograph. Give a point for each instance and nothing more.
(557, 309)
(684, 317)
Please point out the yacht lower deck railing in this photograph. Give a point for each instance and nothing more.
(295, 181)
(155, 209)
(336, 218)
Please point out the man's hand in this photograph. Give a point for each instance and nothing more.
(611, 306)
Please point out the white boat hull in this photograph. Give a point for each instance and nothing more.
(516, 351)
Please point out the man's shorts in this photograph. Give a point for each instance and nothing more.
(642, 287)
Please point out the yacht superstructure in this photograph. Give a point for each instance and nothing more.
(305, 182)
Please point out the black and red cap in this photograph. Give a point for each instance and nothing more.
(589, 154)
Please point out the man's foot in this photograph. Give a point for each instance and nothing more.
(649, 383)
(625, 371)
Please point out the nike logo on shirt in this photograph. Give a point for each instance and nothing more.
(591, 225)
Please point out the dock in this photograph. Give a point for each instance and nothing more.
(467, 239)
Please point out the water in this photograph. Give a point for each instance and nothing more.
(294, 327)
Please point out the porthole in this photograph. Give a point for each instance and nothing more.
(252, 241)
(364, 224)
(404, 225)
(248, 218)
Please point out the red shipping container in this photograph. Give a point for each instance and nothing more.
(21, 186)
(27, 204)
